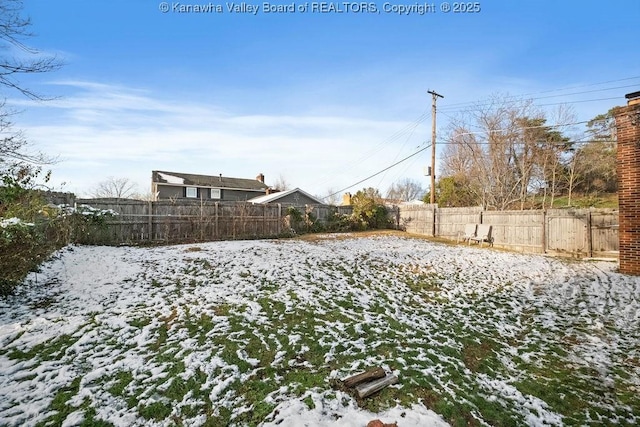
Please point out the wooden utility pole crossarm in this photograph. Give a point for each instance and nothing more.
(434, 97)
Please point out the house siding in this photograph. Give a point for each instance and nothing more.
(240, 195)
(295, 199)
(178, 192)
(170, 192)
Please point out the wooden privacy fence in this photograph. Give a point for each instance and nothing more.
(190, 220)
(575, 232)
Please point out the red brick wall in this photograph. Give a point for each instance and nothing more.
(628, 168)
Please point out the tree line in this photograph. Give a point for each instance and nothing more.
(507, 154)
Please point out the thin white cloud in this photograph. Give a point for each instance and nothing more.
(102, 130)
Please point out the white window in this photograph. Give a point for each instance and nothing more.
(215, 193)
(192, 192)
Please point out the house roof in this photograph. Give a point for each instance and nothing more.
(178, 178)
(280, 194)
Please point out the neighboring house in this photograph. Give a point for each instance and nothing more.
(295, 197)
(176, 185)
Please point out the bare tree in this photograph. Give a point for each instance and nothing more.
(553, 148)
(405, 190)
(597, 170)
(14, 148)
(146, 196)
(281, 184)
(13, 29)
(464, 176)
(507, 158)
(333, 198)
(119, 188)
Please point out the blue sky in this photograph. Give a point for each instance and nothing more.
(321, 99)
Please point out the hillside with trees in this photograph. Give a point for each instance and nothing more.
(508, 154)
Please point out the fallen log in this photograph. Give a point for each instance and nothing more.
(378, 423)
(369, 375)
(367, 389)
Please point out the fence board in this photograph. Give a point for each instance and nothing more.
(450, 222)
(567, 231)
(576, 232)
(516, 230)
(604, 231)
(187, 220)
(418, 219)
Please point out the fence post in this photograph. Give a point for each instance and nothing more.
(589, 236)
(433, 226)
(201, 218)
(279, 219)
(544, 231)
(216, 229)
(150, 220)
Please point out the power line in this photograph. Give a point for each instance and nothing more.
(450, 143)
(515, 99)
(535, 104)
(521, 96)
(579, 102)
(409, 128)
(524, 128)
(585, 91)
(400, 151)
(379, 172)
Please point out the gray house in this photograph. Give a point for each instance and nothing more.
(295, 197)
(177, 185)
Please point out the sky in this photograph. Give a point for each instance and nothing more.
(322, 97)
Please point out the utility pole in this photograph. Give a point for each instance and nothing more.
(434, 96)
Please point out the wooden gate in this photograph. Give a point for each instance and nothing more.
(567, 231)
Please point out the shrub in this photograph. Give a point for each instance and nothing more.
(20, 249)
(342, 223)
(368, 210)
(30, 229)
(83, 224)
(298, 221)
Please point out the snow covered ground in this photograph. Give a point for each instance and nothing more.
(255, 333)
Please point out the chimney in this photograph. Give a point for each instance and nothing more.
(633, 98)
(628, 169)
(220, 178)
(346, 199)
(260, 178)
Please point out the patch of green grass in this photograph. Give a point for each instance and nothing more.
(604, 200)
(179, 387)
(157, 411)
(254, 392)
(161, 339)
(59, 403)
(91, 421)
(46, 351)
(309, 402)
(423, 282)
(122, 380)
(139, 322)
